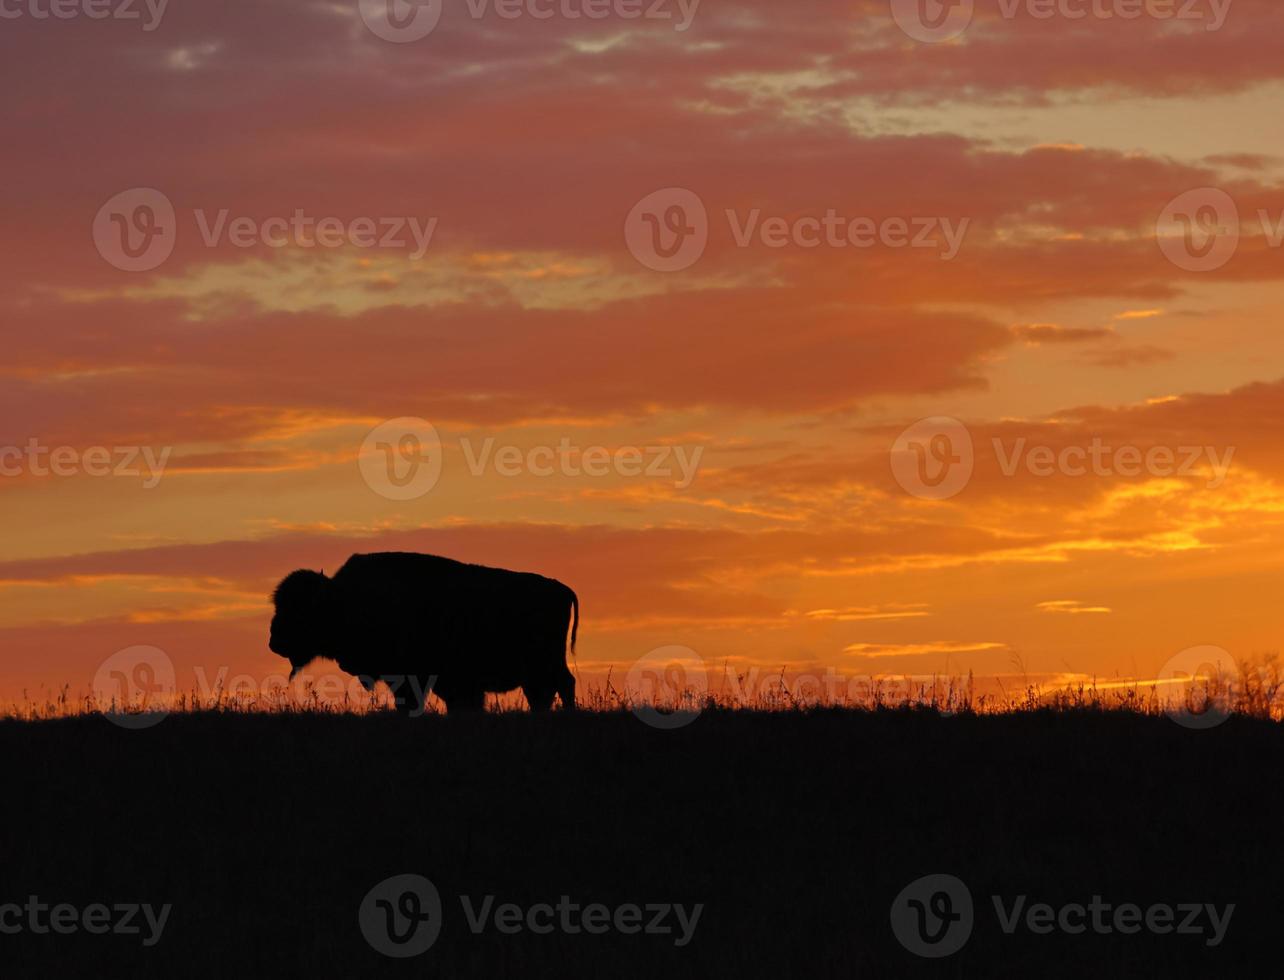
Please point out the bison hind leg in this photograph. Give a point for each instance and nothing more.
(408, 693)
(540, 695)
(566, 689)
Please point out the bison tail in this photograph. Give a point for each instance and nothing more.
(575, 621)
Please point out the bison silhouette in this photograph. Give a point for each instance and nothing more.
(424, 623)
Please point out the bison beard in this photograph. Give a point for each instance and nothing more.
(431, 623)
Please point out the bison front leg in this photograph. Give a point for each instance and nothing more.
(409, 693)
(539, 697)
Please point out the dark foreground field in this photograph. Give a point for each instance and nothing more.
(796, 831)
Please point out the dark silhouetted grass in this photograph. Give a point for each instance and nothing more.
(796, 829)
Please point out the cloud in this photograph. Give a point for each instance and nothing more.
(934, 647)
(1124, 357)
(1070, 607)
(856, 614)
(1051, 333)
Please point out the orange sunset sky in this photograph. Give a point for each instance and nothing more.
(791, 367)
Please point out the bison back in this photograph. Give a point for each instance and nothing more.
(406, 613)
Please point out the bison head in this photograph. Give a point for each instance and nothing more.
(298, 627)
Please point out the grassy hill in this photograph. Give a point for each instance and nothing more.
(794, 830)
